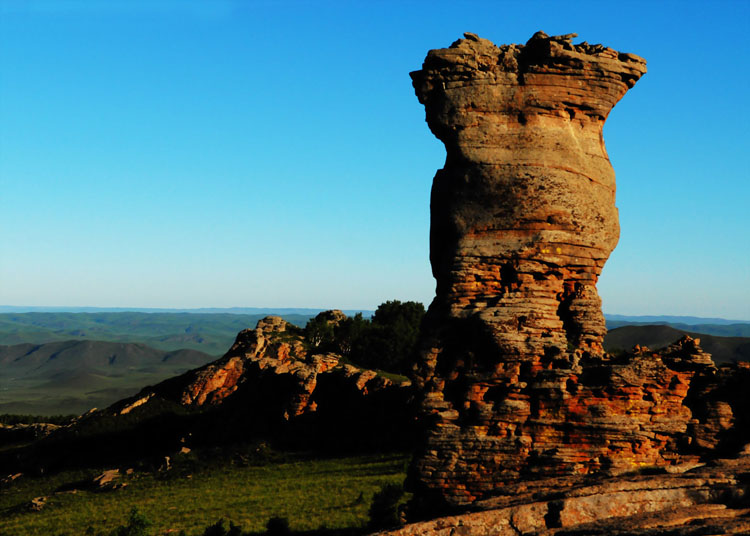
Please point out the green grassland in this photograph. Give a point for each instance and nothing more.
(310, 493)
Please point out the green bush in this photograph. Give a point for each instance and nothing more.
(137, 525)
(278, 526)
(218, 529)
(384, 507)
(390, 343)
(319, 333)
(387, 342)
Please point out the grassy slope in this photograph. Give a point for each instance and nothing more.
(722, 349)
(75, 376)
(310, 494)
(741, 329)
(209, 333)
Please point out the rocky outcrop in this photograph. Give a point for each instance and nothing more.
(25, 432)
(693, 499)
(514, 381)
(273, 382)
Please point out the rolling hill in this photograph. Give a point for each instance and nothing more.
(211, 333)
(74, 376)
(723, 349)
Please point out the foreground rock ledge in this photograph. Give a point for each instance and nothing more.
(514, 382)
(706, 499)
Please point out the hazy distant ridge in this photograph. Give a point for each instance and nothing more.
(722, 349)
(669, 319)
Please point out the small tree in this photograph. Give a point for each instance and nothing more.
(348, 332)
(390, 343)
(319, 332)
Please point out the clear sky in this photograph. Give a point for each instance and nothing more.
(266, 153)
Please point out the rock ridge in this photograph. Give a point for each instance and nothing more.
(273, 366)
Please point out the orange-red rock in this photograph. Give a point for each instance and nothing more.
(707, 499)
(273, 382)
(515, 383)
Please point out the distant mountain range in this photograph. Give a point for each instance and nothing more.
(74, 376)
(214, 332)
(723, 329)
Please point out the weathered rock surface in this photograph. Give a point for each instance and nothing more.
(707, 499)
(108, 480)
(514, 381)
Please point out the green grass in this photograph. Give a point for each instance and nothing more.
(309, 493)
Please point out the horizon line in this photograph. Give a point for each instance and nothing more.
(91, 308)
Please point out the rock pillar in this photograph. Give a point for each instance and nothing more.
(523, 219)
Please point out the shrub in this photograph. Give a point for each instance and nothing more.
(278, 526)
(137, 525)
(390, 343)
(348, 332)
(218, 529)
(384, 507)
(319, 333)
(387, 342)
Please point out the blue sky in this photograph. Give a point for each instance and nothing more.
(219, 153)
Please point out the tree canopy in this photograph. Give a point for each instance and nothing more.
(387, 342)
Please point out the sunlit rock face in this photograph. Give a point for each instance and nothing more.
(515, 380)
(523, 213)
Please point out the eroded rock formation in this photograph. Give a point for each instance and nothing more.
(274, 375)
(514, 378)
(693, 499)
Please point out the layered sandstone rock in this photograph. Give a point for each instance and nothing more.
(523, 212)
(514, 378)
(693, 500)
